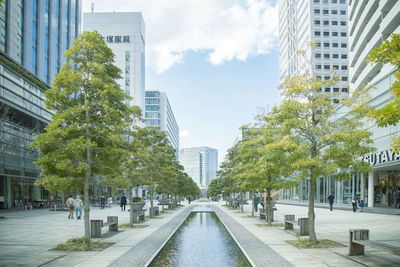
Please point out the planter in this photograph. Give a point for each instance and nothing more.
(138, 205)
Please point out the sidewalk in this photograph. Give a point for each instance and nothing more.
(329, 225)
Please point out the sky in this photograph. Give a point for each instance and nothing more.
(217, 60)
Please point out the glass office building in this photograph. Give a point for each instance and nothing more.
(34, 34)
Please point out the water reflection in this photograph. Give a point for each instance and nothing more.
(201, 241)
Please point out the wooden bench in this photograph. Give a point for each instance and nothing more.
(96, 225)
(290, 222)
(359, 238)
(156, 211)
(139, 216)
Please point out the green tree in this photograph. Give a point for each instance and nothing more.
(84, 137)
(329, 142)
(389, 53)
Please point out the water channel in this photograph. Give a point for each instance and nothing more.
(202, 240)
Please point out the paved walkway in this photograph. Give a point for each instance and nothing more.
(27, 236)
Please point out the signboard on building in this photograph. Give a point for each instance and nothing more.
(382, 157)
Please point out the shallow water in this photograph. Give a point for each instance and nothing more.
(202, 240)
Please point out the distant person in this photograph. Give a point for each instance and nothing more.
(362, 205)
(123, 202)
(118, 199)
(189, 200)
(354, 203)
(398, 198)
(109, 202)
(331, 197)
(102, 202)
(78, 205)
(256, 202)
(70, 205)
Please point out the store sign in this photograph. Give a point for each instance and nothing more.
(381, 157)
(116, 38)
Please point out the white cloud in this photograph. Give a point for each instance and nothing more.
(227, 29)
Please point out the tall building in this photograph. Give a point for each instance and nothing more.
(323, 23)
(124, 33)
(200, 163)
(33, 38)
(158, 112)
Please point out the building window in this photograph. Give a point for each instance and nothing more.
(344, 90)
(34, 36)
(326, 22)
(334, 22)
(343, 1)
(317, 33)
(317, 22)
(326, 1)
(3, 27)
(327, 77)
(325, 12)
(326, 44)
(335, 44)
(20, 30)
(335, 101)
(344, 67)
(319, 78)
(317, 11)
(318, 44)
(327, 90)
(335, 56)
(344, 56)
(343, 23)
(334, 12)
(336, 90)
(326, 56)
(318, 67)
(318, 55)
(326, 34)
(334, 1)
(316, 1)
(343, 45)
(342, 12)
(327, 67)
(334, 33)
(344, 78)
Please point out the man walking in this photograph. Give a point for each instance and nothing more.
(331, 197)
(123, 202)
(78, 204)
(70, 205)
(398, 198)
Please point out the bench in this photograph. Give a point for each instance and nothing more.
(263, 215)
(138, 216)
(96, 225)
(155, 211)
(359, 238)
(290, 222)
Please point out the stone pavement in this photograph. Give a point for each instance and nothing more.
(329, 225)
(27, 236)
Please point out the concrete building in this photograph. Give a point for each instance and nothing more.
(324, 23)
(124, 32)
(370, 24)
(33, 38)
(158, 112)
(200, 163)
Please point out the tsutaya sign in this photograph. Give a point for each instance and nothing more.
(381, 157)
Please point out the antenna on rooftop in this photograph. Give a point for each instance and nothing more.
(92, 7)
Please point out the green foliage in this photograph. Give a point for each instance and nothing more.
(82, 244)
(389, 53)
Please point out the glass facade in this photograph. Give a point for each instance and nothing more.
(3, 26)
(46, 40)
(34, 35)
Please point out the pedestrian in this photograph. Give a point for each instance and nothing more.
(70, 205)
(362, 205)
(189, 200)
(109, 202)
(398, 198)
(123, 202)
(78, 204)
(118, 199)
(102, 202)
(331, 197)
(354, 203)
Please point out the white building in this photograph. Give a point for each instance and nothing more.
(200, 163)
(158, 112)
(323, 22)
(124, 32)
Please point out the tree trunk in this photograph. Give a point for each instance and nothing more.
(151, 202)
(252, 204)
(311, 214)
(131, 209)
(241, 200)
(269, 207)
(88, 175)
(63, 199)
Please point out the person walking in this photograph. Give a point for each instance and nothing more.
(331, 197)
(189, 199)
(102, 202)
(354, 203)
(123, 202)
(109, 202)
(362, 205)
(78, 205)
(70, 205)
(398, 198)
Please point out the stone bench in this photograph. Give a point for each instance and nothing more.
(156, 211)
(96, 225)
(264, 215)
(139, 216)
(290, 222)
(359, 238)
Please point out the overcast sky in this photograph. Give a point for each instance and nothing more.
(217, 61)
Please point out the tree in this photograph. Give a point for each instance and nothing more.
(389, 52)
(84, 137)
(329, 143)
